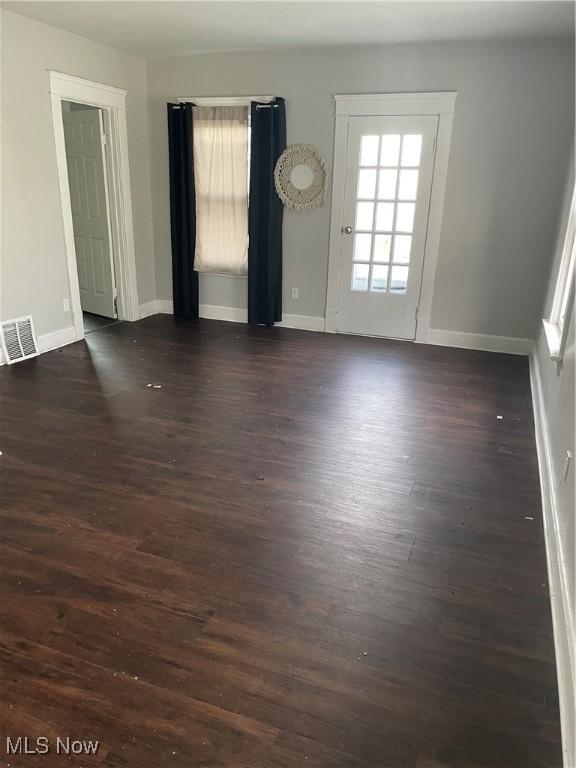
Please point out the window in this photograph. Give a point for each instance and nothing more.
(556, 326)
(385, 206)
(221, 148)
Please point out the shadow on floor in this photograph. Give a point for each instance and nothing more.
(96, 322)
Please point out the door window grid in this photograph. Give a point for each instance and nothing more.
(378, 154)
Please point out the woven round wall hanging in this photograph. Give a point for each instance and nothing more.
(300, 177)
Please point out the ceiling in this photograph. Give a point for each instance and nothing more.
(158, 28)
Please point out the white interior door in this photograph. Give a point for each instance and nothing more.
(389, 167)
(84, 138)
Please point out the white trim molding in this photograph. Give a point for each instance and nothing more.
(302, 322)
(155, 307)
(57, 339)
(112, 101)
(511, 345)
(557, 325)
(233, 315)
(558, 577)
(71, 88)
(507, 344)
(148, 309)
(372, 104)
(165, 306)
(230, 314)
(441, 104)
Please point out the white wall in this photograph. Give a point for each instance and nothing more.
(33, 260)
(509, 147)
(554, 391)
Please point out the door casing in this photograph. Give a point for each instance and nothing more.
(441, 104)
(112, 101)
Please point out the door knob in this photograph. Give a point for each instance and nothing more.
(348, 230)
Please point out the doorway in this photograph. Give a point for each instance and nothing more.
(390, 166)
(85, 140)
(386, 201)
(91, 139)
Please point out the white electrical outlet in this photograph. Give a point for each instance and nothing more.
(294, 293)
(66, 305)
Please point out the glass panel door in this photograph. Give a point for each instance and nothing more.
(390, 164)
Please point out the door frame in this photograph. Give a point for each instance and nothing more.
(112, 102)
(441, 104)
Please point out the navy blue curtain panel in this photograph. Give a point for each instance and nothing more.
(268, 141)
(182, 211)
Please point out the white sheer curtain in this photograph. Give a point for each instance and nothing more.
(221, 143)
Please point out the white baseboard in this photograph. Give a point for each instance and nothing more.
(148, 309)
(558, 578)
(54, 340)
(232, 315)
(165, 306)
(302, 322)
(156, 307)
(509, 344)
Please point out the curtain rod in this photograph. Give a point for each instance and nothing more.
(258, 106)
(224, 101)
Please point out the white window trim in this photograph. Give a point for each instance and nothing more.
(556, 326)
(374, 104)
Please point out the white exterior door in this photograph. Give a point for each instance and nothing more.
(84, 138)
(389, 168)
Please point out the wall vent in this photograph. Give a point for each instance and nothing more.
(18, 339)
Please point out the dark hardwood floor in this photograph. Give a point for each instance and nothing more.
(96, 322)
(299, 550)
